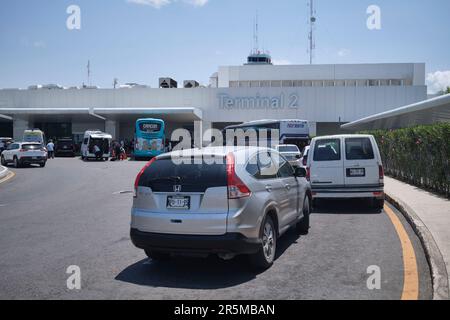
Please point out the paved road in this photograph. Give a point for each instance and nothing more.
(72, 213)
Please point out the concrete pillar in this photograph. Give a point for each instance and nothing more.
(112, 128)
(312, 129)
(19, 126)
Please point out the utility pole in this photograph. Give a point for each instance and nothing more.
(311, 22)
(256, 36)
(89, 72)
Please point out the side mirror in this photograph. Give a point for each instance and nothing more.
(300, 172)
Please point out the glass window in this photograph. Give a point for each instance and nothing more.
(287, 83)
(275, 83)
(194, 175)
(254, 84)
(285, 170)
(32, 146)
(288, 149)
(327, 150)
(350, 83)
(358, 149)
(244, 84)
(261, 166)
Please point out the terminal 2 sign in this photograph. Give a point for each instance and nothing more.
(282, 101)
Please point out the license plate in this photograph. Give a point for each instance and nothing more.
(178, 202)
(358, 172)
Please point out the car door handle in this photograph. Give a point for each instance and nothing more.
(287, 186)
(269, 188)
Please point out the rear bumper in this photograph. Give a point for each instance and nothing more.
(234, 243)
(31, 160)
(364, 191)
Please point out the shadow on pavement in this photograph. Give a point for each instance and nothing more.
(198, 273)
(345, 206)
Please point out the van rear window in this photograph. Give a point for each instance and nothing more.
(358, 149)
(327, 150)
(192, 176)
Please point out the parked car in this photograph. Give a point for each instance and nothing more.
(240, 205)
(346, 166)
(4, 143)
(291, 152)
(304, 158)
(24, 153)
(65, 146)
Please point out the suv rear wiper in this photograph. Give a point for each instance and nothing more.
(173, 178)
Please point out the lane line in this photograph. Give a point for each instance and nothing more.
(8, 177)
(411, 274)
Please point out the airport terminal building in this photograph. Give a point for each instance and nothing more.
(325, 95)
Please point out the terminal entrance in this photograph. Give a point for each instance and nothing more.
(54, 130)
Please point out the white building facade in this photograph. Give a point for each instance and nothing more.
(325, 95)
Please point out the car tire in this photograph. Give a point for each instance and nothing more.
(303, 225)
(3, 161)
(157, 256)
(378, 204)
(265, 256)
(42, 165)
(16, 163)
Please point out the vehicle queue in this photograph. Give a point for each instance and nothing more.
(241, 204)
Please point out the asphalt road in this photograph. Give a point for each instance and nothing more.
(73, 213)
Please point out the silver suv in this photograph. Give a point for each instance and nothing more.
(225, 201)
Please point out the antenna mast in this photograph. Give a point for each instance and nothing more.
(89, 72)
(256, 36)
(311, 22)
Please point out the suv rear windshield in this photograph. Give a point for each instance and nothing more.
(358, 149)
(327, 150)
(32, 146)
(288, 149)
(164, 174)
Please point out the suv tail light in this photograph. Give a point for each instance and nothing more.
(22, 150)
(304, 161)
(138, 177)
(380, 172)
(236, 188)
(308, 173)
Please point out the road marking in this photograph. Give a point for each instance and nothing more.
(411, 274)
(8, 177)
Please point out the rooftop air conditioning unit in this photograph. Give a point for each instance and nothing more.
(167, 83)
(188, 84)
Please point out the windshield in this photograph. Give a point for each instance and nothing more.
(288, 149)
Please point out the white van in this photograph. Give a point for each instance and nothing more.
(92, 138)
(346, 166)
(34, 135)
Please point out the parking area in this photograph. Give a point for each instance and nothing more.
(78, 213)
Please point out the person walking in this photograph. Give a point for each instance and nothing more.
(51, 149)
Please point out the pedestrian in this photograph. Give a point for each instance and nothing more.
(117, 150)
(97, 152)
(51, 149)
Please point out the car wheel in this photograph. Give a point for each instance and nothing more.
(303, 225)
(264, 258)
(157, 256)
(42, 164)
(16, 163)
(3, 161)
(378, 204)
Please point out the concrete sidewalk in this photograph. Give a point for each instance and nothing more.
(3, 172)
(430, 216)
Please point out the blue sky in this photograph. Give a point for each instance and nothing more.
(141, 40)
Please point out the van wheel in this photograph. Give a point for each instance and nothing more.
(157, 256)
(42, 164)
(264, 258)
(16, 163)
(303, 225)
(3, 161)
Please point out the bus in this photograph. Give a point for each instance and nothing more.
(149, 138)
(290, 131)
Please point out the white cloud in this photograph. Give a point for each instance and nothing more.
(161, 3)
(343, 52)
(281, 62)
(437, 81)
